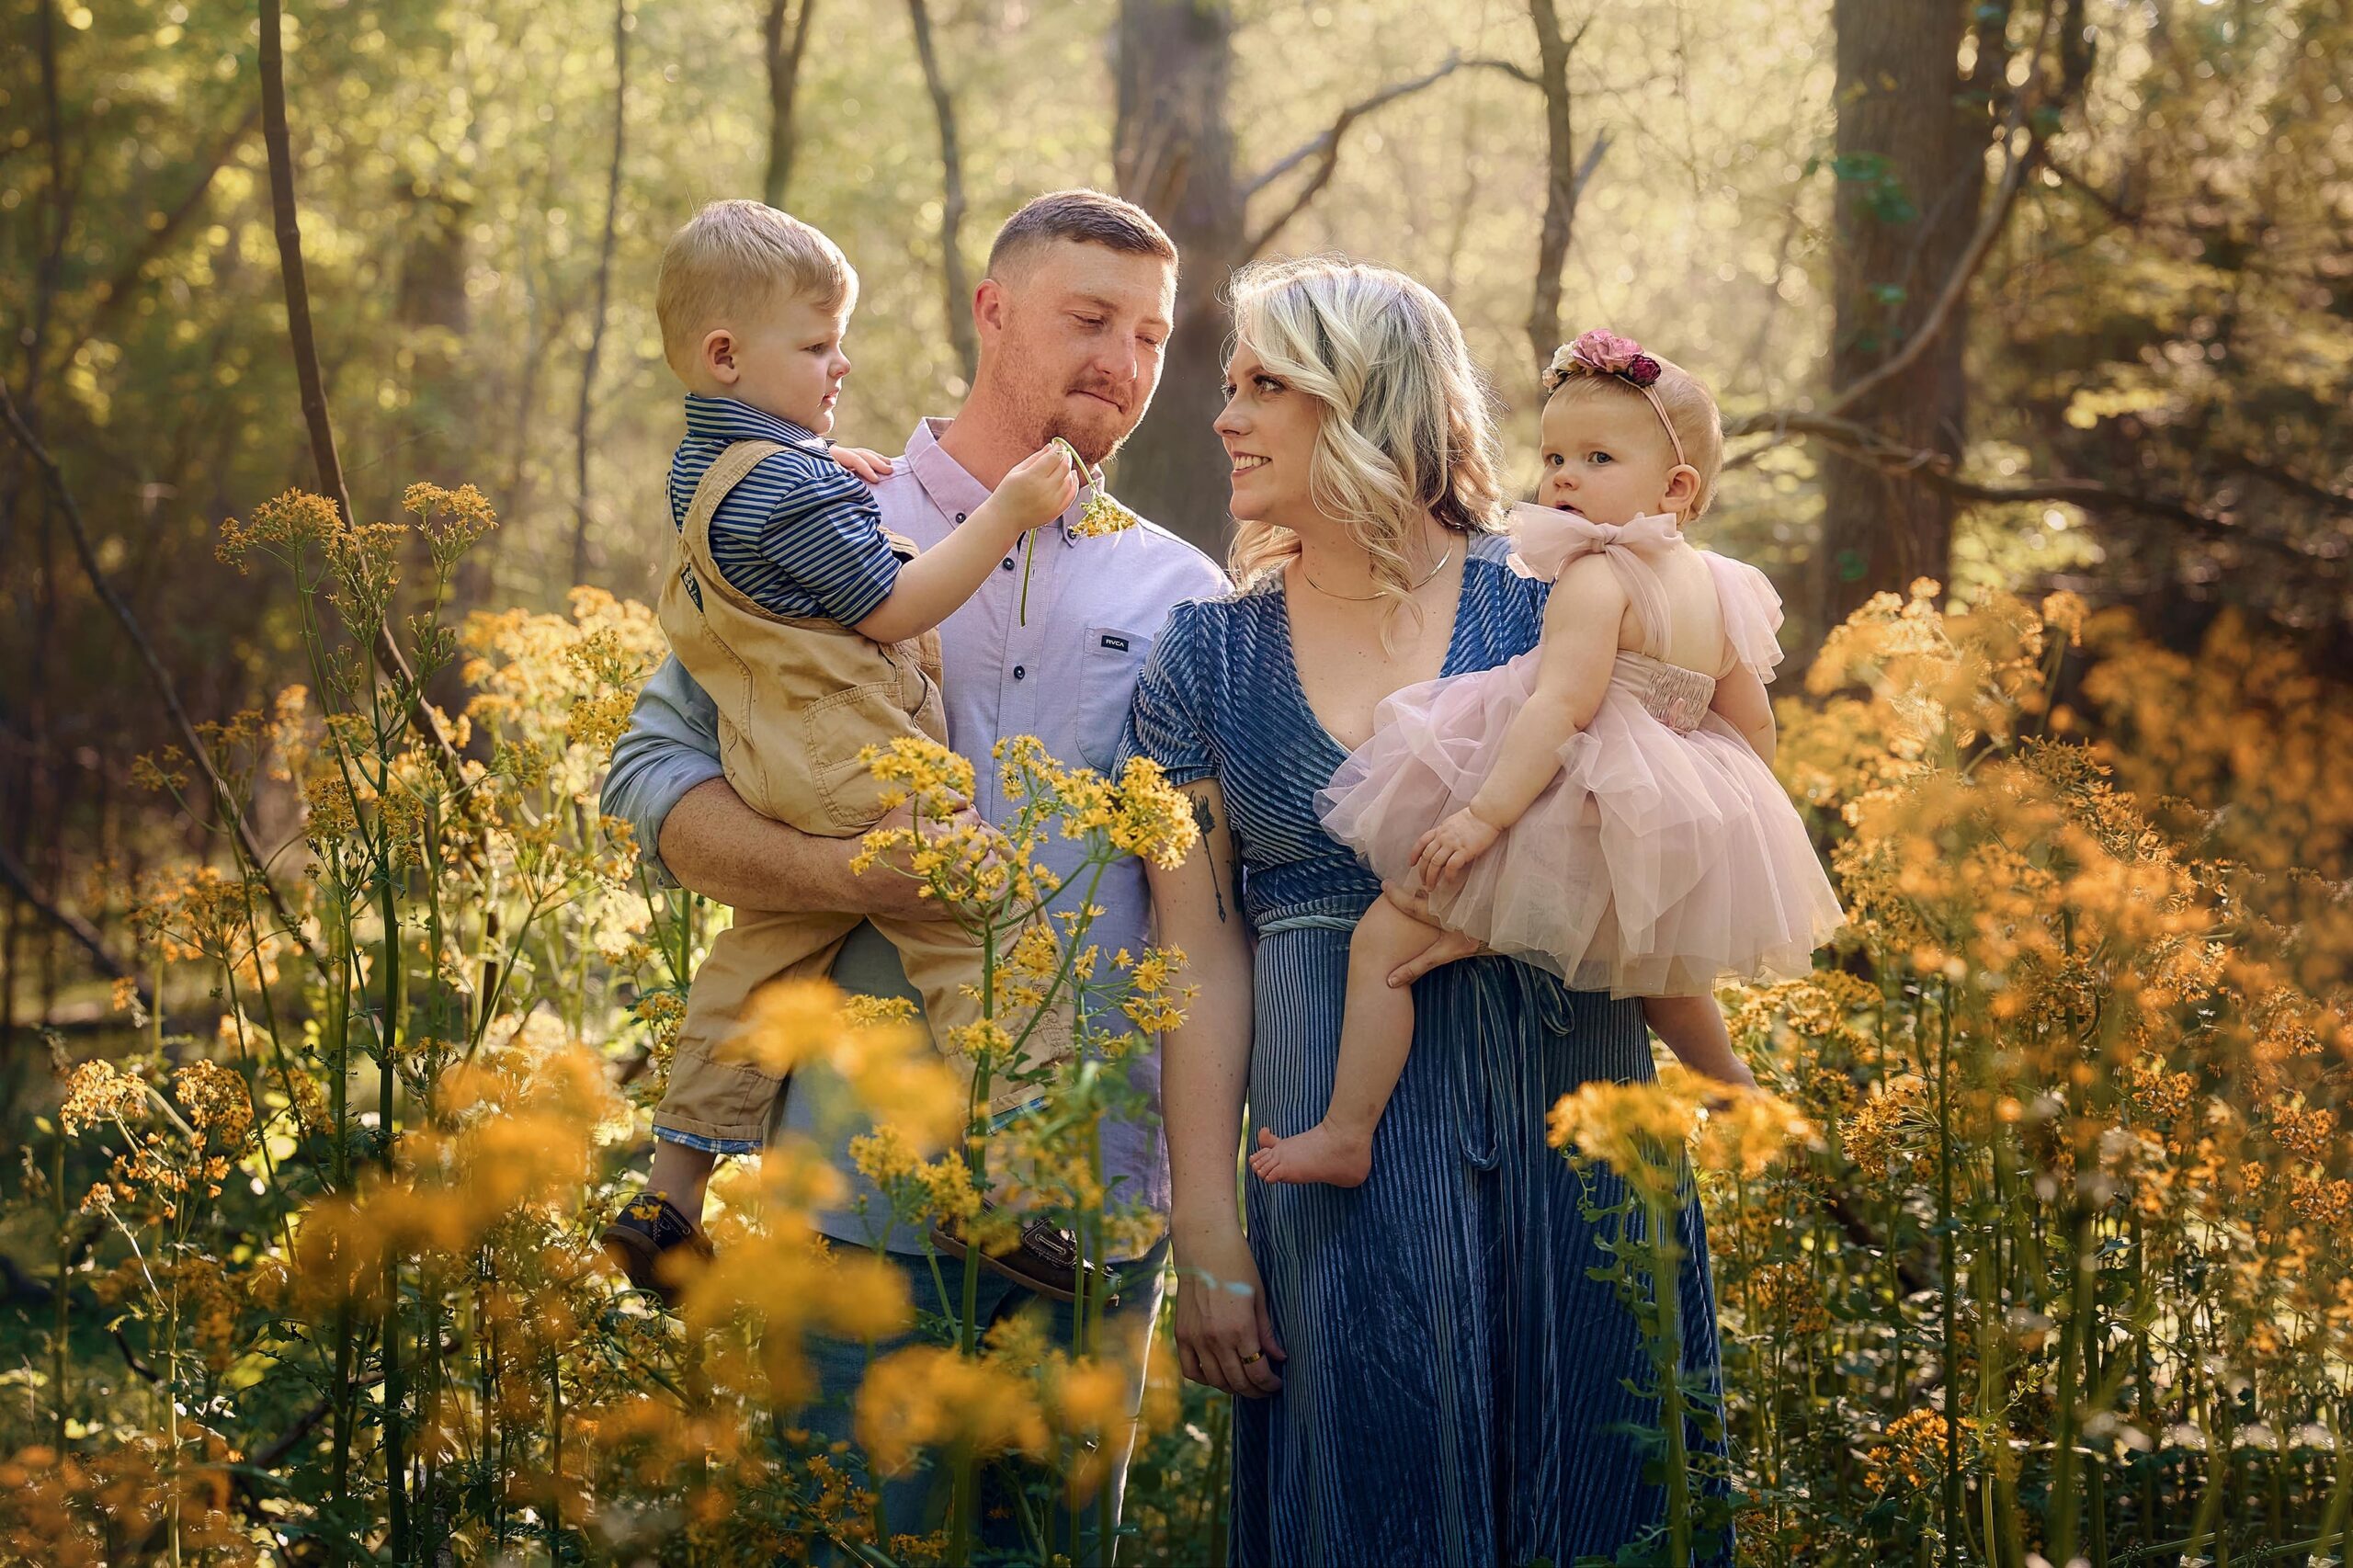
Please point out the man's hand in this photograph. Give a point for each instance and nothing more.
(871, 467)
(893, 887)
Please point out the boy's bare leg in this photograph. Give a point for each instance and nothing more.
(1693, 1027)
(1376, 1036)
(682, 1173)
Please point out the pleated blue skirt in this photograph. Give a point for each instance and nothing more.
(1459, 1389)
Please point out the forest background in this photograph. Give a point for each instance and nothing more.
(2010, 296)
(2136, 384)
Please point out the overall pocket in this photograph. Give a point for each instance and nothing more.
(833, 730)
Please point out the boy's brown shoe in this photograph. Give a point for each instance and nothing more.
(657, 1245)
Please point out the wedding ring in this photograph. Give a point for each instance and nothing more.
(1254, 1356)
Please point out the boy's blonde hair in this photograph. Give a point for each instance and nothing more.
(737, 257)
(1689, 407)
(1407, 428)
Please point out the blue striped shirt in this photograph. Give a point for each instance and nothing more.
(801, 535)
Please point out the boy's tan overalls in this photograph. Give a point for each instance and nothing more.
(798, 698)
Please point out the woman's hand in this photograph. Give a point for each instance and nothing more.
(1446, 851)
(1224, 1335)
(871, 467)
(1444, 949)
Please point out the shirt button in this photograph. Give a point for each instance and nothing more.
(960, 516)
(1019, 673)
(1008, 563)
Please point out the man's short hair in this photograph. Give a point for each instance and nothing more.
(1089, 217)
(736, 258)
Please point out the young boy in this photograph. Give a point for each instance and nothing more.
(813, 631)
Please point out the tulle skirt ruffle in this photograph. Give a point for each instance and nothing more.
(1658, 863)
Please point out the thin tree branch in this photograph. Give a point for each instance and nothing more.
(1956, 289)
(954, 280)
(15, 873)
(288, 224)
(1325, 150)
(1935, 468)
(604, 291)
(784, 91)
(225, 800)
(1511, 68)
(59, 203)
(2129, 217)
(2335, 500)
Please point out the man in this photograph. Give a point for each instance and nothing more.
(1072, 316)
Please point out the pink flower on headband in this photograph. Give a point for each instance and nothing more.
(1615, 356)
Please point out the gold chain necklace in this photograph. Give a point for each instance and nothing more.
(1368, 598)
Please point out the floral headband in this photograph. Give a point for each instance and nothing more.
(1606, 353)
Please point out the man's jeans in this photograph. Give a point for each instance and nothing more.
(917, 1504)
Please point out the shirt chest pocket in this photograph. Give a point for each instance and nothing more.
(1108, 667)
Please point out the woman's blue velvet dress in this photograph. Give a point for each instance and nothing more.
(1457, 1390)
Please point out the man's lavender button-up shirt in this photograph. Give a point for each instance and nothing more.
(1064, 676)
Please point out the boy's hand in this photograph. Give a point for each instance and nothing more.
(871, 467)
(1039, 489)
(1446, 851)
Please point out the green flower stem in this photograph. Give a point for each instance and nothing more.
(1091, 478)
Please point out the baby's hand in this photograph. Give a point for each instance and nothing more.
(1040, 487)
(871, 467)
(1446, 850)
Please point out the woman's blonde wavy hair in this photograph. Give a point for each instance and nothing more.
(1408, 424)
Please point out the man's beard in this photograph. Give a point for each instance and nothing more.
(1052, 419)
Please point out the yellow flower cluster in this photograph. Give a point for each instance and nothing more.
(1100, 514)
(100, 1092)
(929, 1396)
(885, 1058)
(1641, 1130)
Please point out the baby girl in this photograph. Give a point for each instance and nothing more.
(1602, 805)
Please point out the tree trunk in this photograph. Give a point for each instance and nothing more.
(1911, 167)
(604, 289)
(955, 279)
(1561, 183)
(1172, 155)
(785, 45)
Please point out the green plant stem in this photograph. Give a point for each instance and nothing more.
(1948, 1284)
(1666, 1259)
(388, 1083)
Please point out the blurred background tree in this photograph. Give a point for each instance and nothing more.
(2008, 294)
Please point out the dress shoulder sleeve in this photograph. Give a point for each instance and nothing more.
(1167, 717)
(1752, 613)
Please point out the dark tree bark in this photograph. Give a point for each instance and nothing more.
(956, 280)
(604, 291)
(1564, 178)
(786, 36)
(1911, 152)
(1172, 155)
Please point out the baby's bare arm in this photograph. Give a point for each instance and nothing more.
(1741, 701)
(1581, 632)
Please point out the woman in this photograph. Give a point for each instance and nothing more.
(1428, 1374)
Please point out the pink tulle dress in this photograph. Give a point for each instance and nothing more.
(1665, 857)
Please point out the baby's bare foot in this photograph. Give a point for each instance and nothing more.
(1321, 1153)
